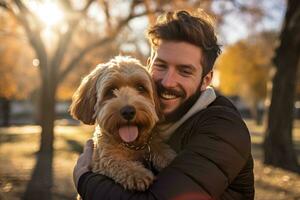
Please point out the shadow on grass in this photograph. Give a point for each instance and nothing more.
(41, 182)
(6, 138)
(267, 186)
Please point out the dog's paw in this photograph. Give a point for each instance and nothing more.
(139, 180)
(164, 158)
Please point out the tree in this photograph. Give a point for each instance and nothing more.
(15, 66)
(278, 144)
(244, 67)
(54, 66)
(59, 53)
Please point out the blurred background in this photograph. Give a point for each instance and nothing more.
(47, 46)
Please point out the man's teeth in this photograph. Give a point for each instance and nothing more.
(168, 96)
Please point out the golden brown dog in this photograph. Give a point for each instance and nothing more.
(119, 96)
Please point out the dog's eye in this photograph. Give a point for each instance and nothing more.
(110, 92)
(141, 88)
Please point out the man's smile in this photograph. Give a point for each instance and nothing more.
(167, 95)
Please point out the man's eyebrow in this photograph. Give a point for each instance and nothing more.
(159, 60)
(189, 66)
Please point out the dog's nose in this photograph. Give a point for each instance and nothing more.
(128, 112)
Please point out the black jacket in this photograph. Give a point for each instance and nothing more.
(214, 162)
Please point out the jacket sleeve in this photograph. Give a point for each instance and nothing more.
(213, 153)
(216, 150)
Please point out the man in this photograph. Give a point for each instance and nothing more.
(214, 150)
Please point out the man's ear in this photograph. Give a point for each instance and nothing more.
(207, 80)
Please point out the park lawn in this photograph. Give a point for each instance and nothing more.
(19, 144)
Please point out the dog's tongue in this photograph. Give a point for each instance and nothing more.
(128, 133)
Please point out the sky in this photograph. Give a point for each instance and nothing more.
(237, 27)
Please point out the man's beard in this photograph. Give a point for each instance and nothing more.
(184, 106)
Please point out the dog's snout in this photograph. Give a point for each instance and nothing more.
(128, 112)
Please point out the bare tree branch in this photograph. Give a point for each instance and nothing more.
(63, 44)
(97, 44)
(33, 36)
(151, 16)
(64, 40)
(87, 5)
(66, 4)
(77, 59)
(4, 5)
(9, 9)
(244, 8)
(107, 15)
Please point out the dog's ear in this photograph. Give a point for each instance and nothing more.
(85, 97)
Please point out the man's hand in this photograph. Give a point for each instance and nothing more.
(84, 161)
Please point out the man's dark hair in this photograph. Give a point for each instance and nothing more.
(182, 26)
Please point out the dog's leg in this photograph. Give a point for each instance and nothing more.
(132, 175)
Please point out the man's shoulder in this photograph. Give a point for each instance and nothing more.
(221, 115)
(221, 121)
(221, 112)
(222, 102)
(221, 106)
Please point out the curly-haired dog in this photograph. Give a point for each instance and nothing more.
(119, 96)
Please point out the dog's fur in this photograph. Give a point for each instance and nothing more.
(99, 100)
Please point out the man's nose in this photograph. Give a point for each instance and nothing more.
(169, 79)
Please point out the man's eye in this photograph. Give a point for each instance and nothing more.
(160, 66)
(185, 72)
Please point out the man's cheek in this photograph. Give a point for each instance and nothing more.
(157, 75)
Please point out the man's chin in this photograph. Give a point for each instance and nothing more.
(172, 116)
(169, 106)
(179, 108)
(168, 112)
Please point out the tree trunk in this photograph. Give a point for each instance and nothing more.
(47, 118)
(6, 112)
(278, 145)
(39, 187)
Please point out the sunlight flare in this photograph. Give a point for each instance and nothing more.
(49, 13)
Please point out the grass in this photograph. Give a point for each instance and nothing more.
(17, 159)
(19, 144)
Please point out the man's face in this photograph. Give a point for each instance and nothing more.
(177, 71)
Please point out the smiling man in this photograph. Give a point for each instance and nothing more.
(212, 142)
(178, 76)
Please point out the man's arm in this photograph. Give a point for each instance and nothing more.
(84, 162)
(94, 186)
(211, 158)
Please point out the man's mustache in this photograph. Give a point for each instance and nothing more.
(161, 89)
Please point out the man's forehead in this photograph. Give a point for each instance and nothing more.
(178, 52)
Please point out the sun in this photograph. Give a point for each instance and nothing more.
(49, 13)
